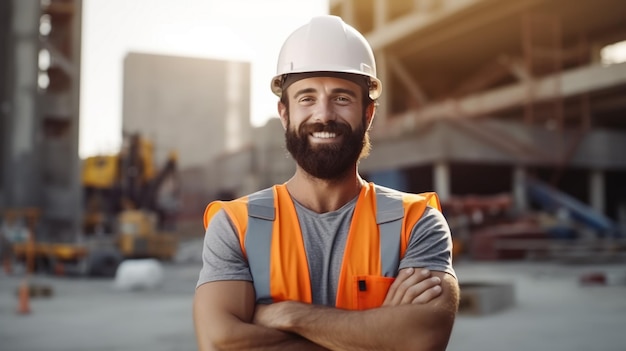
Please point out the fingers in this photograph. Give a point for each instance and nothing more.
(428, 290)
(406, 279)
(413, 286)
(396, 290)
(391, 293)
(417, 291)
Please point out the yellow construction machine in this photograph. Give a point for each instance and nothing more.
(129, 213)
(125, 194)
(19, 243)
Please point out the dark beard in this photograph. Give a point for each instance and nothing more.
(327, 161)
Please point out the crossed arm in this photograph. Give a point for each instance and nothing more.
(418, 314)
(223, 313)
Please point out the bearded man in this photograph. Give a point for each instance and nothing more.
(326, 260)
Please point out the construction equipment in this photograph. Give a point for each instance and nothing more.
(126, 181)
(129, 213)
(126, 195)
(552, 200)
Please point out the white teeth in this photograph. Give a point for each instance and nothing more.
(324, 135)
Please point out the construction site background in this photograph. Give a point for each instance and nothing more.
(512, 111)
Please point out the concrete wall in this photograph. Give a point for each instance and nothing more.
(199, 108)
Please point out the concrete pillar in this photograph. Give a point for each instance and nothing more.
(417, 4)
(380, 13)
(520, 198)
(441, 178)
(22, 182)
(347, 11)
(596, 190)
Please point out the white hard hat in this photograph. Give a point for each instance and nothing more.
(327, 44)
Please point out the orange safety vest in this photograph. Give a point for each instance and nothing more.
(267, 225)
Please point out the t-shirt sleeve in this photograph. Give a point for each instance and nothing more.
(430, 245)
(222, 258)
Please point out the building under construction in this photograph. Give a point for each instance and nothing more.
(481, 98)
(40, 55)
(490, 95)
(512, 104)
(482, 94)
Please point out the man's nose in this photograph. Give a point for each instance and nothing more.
(324, 112)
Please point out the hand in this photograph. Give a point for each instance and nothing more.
(413, 286)
(273, 315)
(264, 315)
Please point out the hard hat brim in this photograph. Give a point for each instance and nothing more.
(375, 85)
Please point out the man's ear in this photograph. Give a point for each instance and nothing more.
(282, 113)
(370, 111)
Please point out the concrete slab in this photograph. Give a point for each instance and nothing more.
(478, 298)
(552, 311)
(90, 314)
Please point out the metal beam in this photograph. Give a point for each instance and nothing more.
(414, 22)
(403, 75)
(417, 21)
(573, 82)
(489, 74)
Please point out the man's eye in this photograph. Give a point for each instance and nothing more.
(306, 99)
(342, 99)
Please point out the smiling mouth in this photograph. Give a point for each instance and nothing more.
(324, 135)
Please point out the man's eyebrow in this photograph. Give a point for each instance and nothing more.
(304, 91)
(344, 91)
(334, 91)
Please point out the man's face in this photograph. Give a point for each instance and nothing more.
(326, 125)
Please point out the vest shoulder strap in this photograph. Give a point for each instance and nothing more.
(261, 215)
(261, 205)
(389, 216)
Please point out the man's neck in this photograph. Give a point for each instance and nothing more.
(321, 195)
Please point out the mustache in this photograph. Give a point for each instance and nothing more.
(330, 127)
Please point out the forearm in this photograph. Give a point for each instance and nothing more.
(404, 326)
(246, 336)
(389, 328)
(222, 315)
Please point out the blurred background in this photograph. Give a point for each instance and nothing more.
(120, 120)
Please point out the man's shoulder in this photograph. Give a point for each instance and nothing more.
(430, 198)
(266, 192)
(387, 191)
(237, 210)
(380, 189)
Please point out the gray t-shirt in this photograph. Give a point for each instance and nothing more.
(325, 237)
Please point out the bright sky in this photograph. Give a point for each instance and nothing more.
(243, 30)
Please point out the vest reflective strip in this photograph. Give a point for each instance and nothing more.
(389, 214)
(261, 214)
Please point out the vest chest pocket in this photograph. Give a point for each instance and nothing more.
(371, 290)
